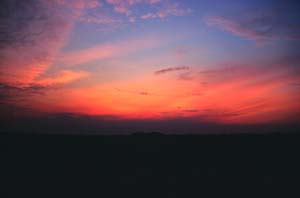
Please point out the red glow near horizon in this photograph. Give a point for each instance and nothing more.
(240, 100)
(112, 59)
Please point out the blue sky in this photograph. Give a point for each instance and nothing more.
(213, 61)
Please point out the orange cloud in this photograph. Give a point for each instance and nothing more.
(64, 76)
(242, 98)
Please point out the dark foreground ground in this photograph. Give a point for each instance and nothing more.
(150, 166)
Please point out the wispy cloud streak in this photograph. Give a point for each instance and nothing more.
(171, 69)
(259, 26)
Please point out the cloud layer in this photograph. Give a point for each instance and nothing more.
(260, 25)
(170, 69)
(54, 59)
(31, 37)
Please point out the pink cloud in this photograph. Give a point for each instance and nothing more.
(80, 4)
(132, 19)
(104, 51)
(233, 27)
(76, 7)
(31, 49)
(63, 77)
(148, 16)
(100, 18)
(173, 9)
(123, 6)
(257, 26)
(168, 10)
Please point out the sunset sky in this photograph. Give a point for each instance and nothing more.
(212, 61)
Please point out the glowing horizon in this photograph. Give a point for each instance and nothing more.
(154, 59)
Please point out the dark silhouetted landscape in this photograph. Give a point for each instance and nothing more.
(151, 165)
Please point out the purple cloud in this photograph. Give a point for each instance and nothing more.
(258, 26)
(123, 6)
(235, 27)
(170, 69)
